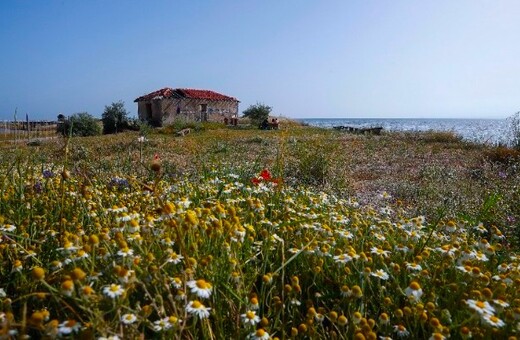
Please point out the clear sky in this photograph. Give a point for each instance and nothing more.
(337, 58)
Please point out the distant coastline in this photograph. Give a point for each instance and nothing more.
(485, 130)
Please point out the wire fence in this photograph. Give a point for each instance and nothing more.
(16, 131)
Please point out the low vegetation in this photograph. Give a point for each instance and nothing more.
(257, 113)
(229, 233)
(80, 125)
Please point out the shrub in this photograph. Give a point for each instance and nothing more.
(257, 113)
(182, 123)
(144, 128)
(115, 118)
(179, 124)
(502, 154)
(80, 124)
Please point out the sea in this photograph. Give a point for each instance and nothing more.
(486, 131)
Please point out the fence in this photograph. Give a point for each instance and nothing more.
(13, 131)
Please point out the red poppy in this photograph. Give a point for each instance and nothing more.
(266, 175)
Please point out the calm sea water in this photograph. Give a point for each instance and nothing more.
(491, 131)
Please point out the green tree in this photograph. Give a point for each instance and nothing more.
(80, 124)
(115, 118)
(257, 113)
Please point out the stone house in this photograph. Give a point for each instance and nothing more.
(166, 105)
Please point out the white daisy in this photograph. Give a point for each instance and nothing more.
(68, 327)
(414, 291)
(401, 331)
(260, 334)
(493, 320)
(201, 288)
(402, 248)
(381, 274)
(482, 307)
(162, 324)
(343, 258)
(176, 283)
(175, 258)
(196, 308)
(501, 303)
(125, 252)
(250, 318)
(413, 267)
(128, 319)
(380, 252)
(8, 228)
(113, 290)
(112, 337)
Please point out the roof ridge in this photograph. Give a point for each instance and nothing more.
(193, 93)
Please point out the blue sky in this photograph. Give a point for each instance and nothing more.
(337, 58)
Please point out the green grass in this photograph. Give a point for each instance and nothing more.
(344, 236)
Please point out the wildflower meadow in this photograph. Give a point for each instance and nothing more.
(227, 234)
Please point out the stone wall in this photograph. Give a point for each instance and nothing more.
(165, 111)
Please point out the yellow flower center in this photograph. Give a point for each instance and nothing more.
(437, 336)
(434, 322)
(250, 315)
(114, 288)
(342, 320)
(38, 273)
(67, 285)
(202, 284)
(260, 333)
(196, 304)
(415, 286)
(480, 304)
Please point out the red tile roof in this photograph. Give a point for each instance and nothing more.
(186, 93)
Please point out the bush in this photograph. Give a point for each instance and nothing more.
(115, 118)
(144, 128)
(257, 113)
(80, 124)
(182, 123)
(502, 154)
(441, 137)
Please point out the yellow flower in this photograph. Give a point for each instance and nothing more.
(357, 292)
(78, 274)
(38, 273)
(67, 287)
